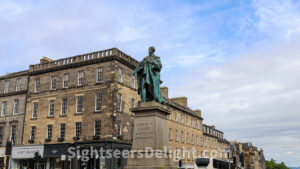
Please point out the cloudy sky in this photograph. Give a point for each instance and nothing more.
(236, 60)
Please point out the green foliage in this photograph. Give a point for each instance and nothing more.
(273, 165)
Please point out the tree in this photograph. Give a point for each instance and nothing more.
(273, 165)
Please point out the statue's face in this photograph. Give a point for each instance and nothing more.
(151, 50)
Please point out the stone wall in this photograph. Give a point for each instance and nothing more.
(9, 118)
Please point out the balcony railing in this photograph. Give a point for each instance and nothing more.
(83, 58)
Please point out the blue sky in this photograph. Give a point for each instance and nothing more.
(237, 61)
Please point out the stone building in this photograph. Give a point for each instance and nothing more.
(247, 156)
(85, 100)
(215, 142)
(187, 132)
(79, 101)
(13, 89)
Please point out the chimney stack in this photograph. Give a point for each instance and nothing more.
(180, 100)
(198, 112)
(164, 92)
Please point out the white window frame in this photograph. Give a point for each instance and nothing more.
(18, 84)
(16, 107)
(95, 129)
(3, 108)
(35, 109)
(51, 103)
(62, 107)
(77, 100)
(119, 127)
(182, 137)
(66, 78)
(170, 134)
(120, 75)
(61, 130)
(96, 102)
(176, 135)
(186, 120)
(32, 133)
(13, 131)
(6, 86)
(99, 77)
(78, 129)
(80, 76)
(49, 131)
(120, 104)
(53, 82)
(37, 85)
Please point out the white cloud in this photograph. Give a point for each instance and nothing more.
(253, 97)
(278, 18)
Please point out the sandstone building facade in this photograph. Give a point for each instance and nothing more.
(13, 89)
(83, 101)
(80, 101)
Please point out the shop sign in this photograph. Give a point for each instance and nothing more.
(25, 152)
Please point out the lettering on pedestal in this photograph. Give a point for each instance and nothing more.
(144, 131)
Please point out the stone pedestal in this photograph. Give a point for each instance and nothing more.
(150, 131)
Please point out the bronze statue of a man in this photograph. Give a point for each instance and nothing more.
(148, 78)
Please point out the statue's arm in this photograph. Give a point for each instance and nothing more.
(138, 68)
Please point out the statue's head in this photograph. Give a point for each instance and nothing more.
(151, 50)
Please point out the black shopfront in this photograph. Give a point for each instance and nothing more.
(90, 156)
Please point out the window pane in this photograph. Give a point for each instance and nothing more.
(97, 127)
(80, 77)
(37, 85)
(66, 80)
(120, 75)
(32, 135)
(98, 101)
(49, 132)
(18, 85)
(62, 130)
(119, 102)
(53, 82)
(16, 107)
(99, 74)
(64, 106)
(4, 107)
(78, 129)
(79, 104)
(35, 109)
(51, 108)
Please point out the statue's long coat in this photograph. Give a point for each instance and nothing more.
(148, 76)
